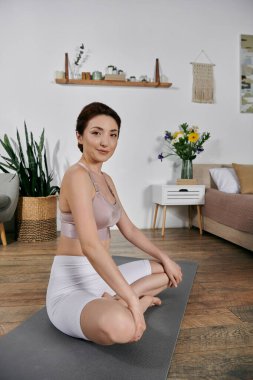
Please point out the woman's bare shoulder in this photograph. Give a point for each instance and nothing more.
(109, 179)
(76, 184)
(108, 176)
(76, 174)
(76, 170)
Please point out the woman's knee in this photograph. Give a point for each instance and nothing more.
(156, 267)
(107, 322)
(118, 326)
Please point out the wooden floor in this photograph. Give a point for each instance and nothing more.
(216, 340)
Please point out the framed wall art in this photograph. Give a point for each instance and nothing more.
(246, 57)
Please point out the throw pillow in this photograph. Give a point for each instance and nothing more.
(245, 175)
(225, 179)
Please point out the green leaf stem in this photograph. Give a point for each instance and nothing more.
(31, 168)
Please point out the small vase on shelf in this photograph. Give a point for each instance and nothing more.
(75, 72)
(186, 171)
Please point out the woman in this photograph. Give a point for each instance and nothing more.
(88, 295)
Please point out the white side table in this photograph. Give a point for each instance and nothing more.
(178, 195)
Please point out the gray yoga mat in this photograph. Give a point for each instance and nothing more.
(36, 350)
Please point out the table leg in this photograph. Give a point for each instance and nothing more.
(199, 209)
(164, 220)
(155, 215)
(190, 216)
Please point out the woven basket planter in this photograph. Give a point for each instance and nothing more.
(36, 218)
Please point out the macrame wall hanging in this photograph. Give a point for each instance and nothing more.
(203, 81)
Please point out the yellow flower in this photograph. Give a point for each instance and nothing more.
(178, 135)
(193, 137)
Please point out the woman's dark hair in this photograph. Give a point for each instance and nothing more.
(90, 111)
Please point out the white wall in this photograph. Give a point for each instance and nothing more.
(34, 35)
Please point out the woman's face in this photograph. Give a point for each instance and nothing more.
(99, 138)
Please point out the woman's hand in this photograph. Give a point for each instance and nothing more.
(140, 325)
(137, 313)
(172, 270)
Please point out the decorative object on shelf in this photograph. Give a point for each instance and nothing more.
(157, 71)
(246, 73)
(86, 75)
(144, 78)
(66, 67)
(36, 213)
(112, 82)
(75, 73)
(109, 69)
(96, 75)
(203, 82)
(119, 77)
(112, 73)
(80, 57)
(185, 143)
(59, 75)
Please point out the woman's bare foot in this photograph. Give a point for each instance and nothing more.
(153, 301)
(148, 300)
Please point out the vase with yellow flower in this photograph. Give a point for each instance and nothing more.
(186, 143)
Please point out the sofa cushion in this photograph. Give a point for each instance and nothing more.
(233, 210)
(245, 175)
(4, 202)
(225, 179)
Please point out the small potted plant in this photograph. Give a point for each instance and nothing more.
(37, 205)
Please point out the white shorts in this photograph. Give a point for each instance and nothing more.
(74, 282)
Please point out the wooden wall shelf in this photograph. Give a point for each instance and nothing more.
(112, 83)
(105, 82)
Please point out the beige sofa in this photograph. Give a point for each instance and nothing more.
(229, 216)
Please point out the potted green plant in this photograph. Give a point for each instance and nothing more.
(37, 205)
